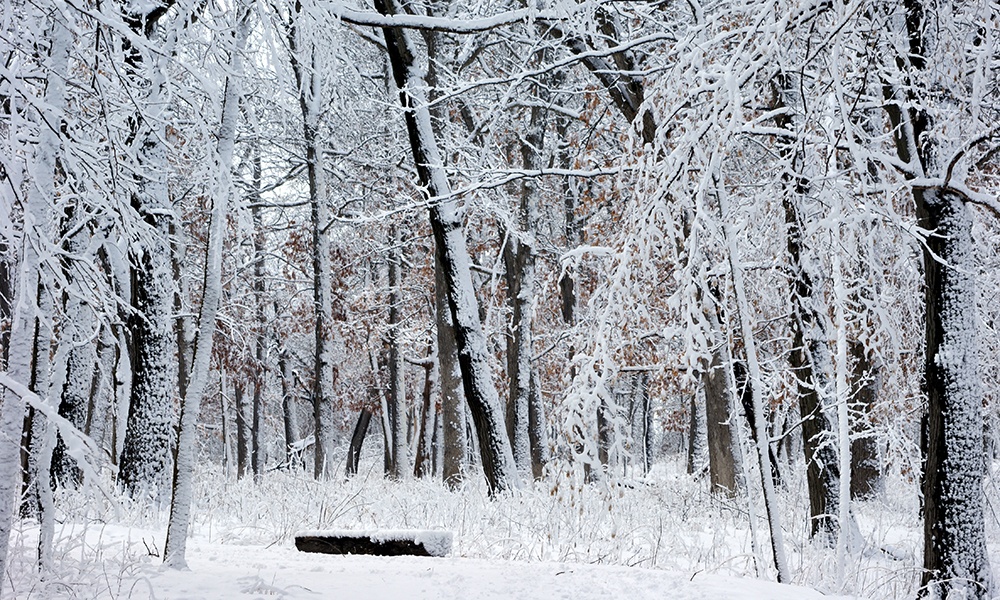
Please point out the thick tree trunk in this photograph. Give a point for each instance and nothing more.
(955, 558)
(955, 545)
(449, 235)
(145, 465)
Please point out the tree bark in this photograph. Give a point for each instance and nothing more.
(449, 372)
(290, 425)
(719, 410)
(955, 558)
(260, 341)
(810, 353)
(400, 463)
(423, 465)
(866, 470)
(33, 312)
(357, 440)
(449, 235)
(79, 330)
(222, 191)
(309, 82)
(146, 459)
(242, 430)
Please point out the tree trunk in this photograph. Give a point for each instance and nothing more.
(31, 319)
(719, 410)
(242, 430)
(755, 384)
(449, 372)
(423, 466)
(78, 331)
(955, 558)
(810, 354)
(866, 471)
(449, 235)
(288, 409)
(145, 465)
(310, 87)
(400, 464)
(693, 427)
(223, 189)
(746, 399)
(259, 289)
(529, 439)
(6, 298)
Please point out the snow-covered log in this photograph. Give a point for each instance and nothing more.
(378, 542)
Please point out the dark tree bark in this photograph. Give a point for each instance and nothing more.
(810, 346)
(77, 333)
(693, 427)
(259, 289)
(746, 399)
(357, 441)
(455, 438)
(866, 470)
(719, 404)
(955, 557)
(423, 464)
(146, 462)
(399, 463)
(6, 298)
(243, 443)
(449, 235)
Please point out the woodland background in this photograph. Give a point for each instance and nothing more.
(533, 247)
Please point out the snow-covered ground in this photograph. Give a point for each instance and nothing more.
(661, 537)
(228, 571)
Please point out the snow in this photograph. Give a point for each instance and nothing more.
(221, 571)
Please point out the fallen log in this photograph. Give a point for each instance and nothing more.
(376, 542)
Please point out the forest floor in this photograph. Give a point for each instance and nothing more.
(663, 536)
(221, 571)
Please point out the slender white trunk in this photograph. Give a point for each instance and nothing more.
(753, 366)
(183, 485)
(32, 313)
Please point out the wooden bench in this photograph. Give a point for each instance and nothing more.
(376, 542)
